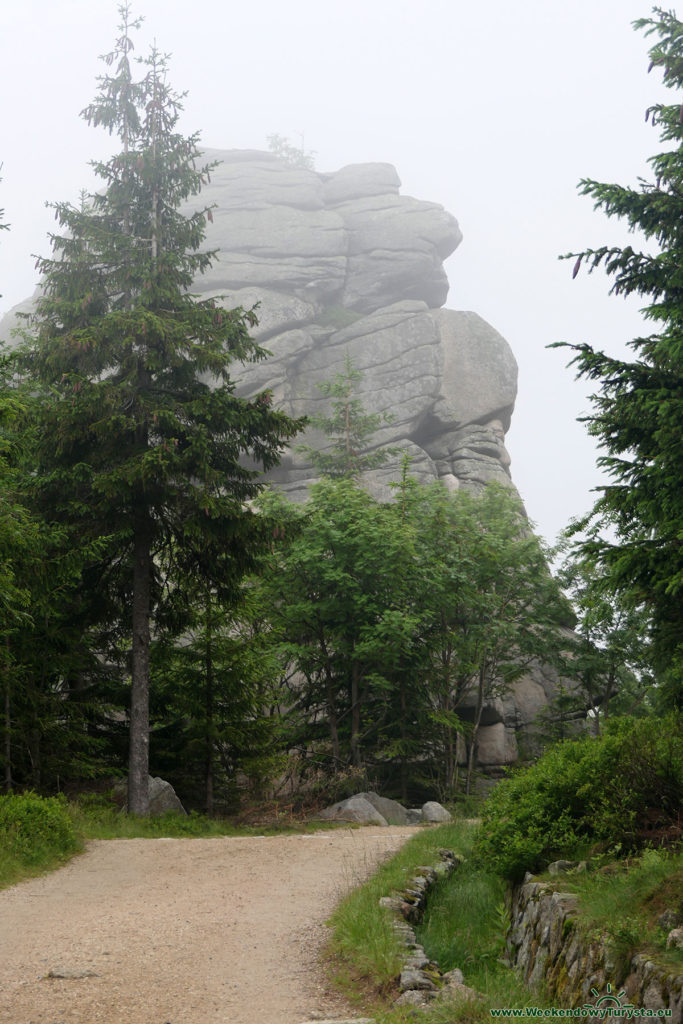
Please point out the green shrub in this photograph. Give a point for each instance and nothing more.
(35, 829)
(584, 791)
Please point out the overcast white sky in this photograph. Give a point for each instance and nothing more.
(493, 109)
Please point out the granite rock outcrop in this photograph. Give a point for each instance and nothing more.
(342, 264)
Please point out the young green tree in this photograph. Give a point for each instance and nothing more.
(638, 409)
(141, 437)
(395, 615)
(295, 156)
(348, 428)
(330, 590)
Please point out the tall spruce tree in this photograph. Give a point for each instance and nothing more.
(134, 443)
(638, 410)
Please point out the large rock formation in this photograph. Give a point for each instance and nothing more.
(342, 264)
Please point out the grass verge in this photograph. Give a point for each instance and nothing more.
(39, 834)
(364, 950)
(36, 835)
(624, 902)
(463, 927)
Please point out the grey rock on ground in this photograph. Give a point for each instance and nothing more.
(434, 812)
(162, 796)
(354, 809)
(392, 811)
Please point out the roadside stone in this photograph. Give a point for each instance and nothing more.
(414, 997)
(391, 810)
(558, 867)
(458, 993)
(418, 959)
(70, 973)
(391, 903)
(162, 796)
(414, 815)
(355, 809)
(411, 978)
(652, 997)
(434, 812)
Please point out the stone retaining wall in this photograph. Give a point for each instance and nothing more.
(546, 946)
(421, 980)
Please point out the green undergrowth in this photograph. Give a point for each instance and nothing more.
(463, 927)
(595, 790)
(103, 821)
(622, 902)
(366, 951)
(36, 835)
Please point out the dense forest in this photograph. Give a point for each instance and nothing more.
(162, 610)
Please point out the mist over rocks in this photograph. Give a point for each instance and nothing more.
(343, 264)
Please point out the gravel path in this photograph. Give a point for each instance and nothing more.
(182, 931)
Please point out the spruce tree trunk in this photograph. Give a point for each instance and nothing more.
(451, 747)
(8, 740)
(138, 769)
(208, 707)
(404, 739)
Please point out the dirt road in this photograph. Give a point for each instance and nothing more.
(182, 931)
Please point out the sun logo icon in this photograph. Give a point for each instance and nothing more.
(609, 1002)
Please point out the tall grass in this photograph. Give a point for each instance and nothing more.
(625, 900)
(463, 927)
(364, 941)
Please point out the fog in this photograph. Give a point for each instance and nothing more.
(495, 111)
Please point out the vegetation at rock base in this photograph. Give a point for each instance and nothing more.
(622, 789)
(389, 616)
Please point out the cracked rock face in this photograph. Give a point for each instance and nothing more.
(343, 264)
